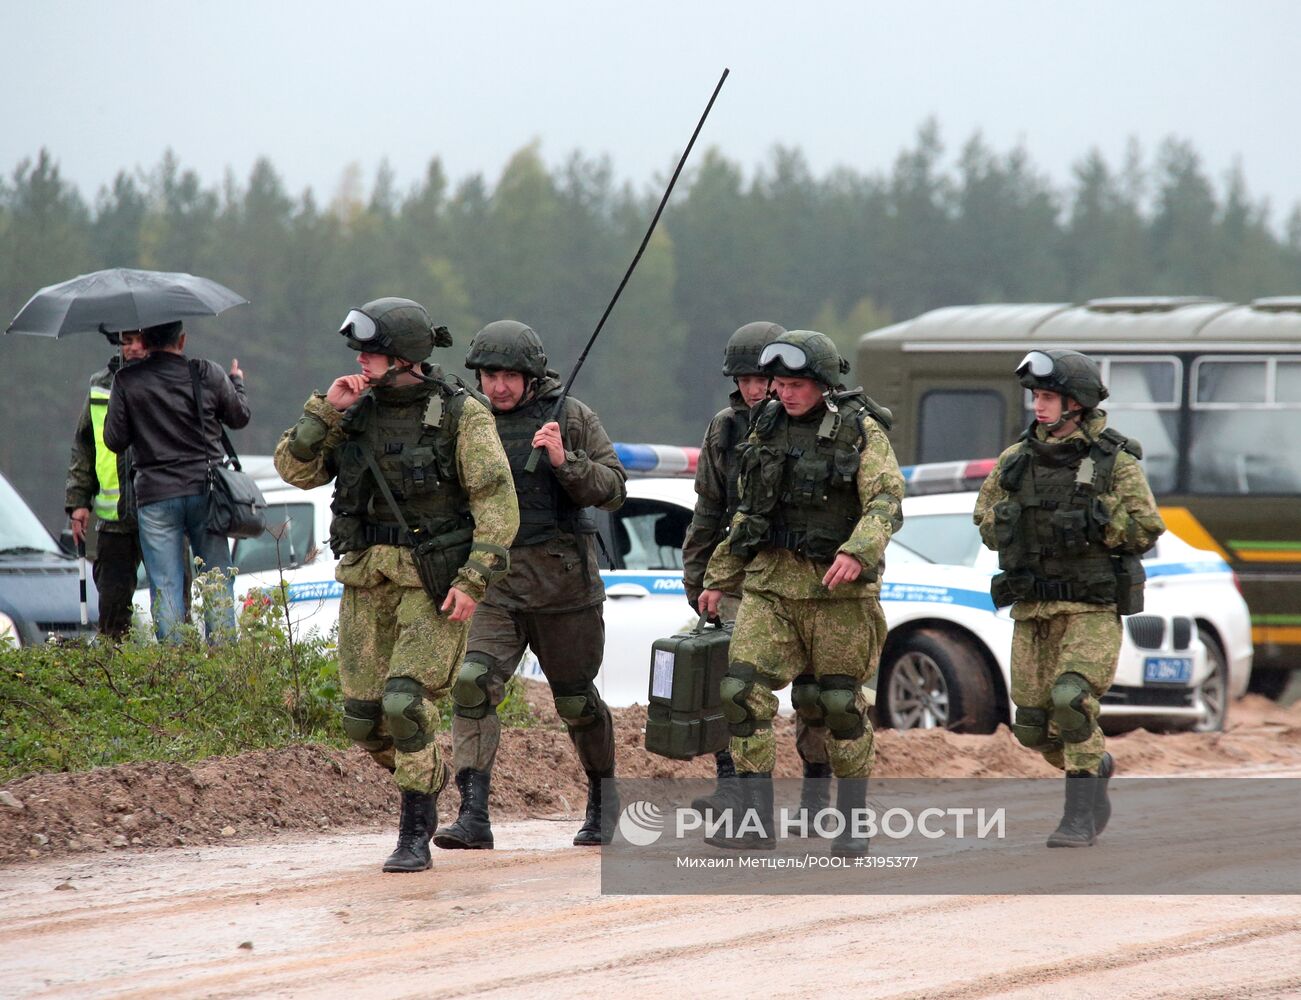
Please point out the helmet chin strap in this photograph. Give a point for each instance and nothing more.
(1066, 417)
(390, 376)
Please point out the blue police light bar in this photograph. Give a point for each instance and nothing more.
(657, 459)
(946, 477)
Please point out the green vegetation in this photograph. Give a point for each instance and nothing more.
(73, 706)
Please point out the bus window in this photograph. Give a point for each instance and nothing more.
(960, 423)
(1241, 411)
(1144, 405)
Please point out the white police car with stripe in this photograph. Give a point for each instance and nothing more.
(946, 661)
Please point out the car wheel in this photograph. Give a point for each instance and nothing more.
(935, 680)
(1213, 693)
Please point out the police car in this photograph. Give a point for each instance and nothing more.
(947, 657)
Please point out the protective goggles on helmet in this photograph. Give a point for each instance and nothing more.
(1039, 364)
(790, 355)
(361, 328)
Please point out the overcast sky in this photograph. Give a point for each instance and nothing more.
(317, 85)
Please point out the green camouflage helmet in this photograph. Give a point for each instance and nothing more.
(804, 354)
(507, 345)
(741, 355)
(1067, 372)
(399, 328)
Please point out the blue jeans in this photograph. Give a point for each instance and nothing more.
(164, 526)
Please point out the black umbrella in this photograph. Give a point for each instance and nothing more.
(120, 298)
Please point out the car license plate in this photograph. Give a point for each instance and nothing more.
(1167, 669)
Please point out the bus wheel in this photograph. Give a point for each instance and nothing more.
(936, 680)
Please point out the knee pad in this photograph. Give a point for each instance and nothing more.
(1031, 727)
(578, 704)
(361, 724)
(470, 698)
(837, 695)
(1069, 712)
(737, 684)
(403, 698)
(805, 694)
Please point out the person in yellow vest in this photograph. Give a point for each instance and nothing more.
(98, 482)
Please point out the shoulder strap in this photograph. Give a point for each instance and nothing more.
(378, 476)
(196, 381)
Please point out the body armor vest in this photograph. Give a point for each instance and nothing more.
(410, 432)
(801, 481)
(1049, 530)
(545, 509)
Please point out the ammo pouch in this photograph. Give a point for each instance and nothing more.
(684, 714)
(1012, 586)
(1070, 526)
(1130, 577)
(439, 558)
(1006, 515)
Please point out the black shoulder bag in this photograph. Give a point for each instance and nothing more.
(236, 507)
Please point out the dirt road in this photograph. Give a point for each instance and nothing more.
(312, 917)
(261, 902)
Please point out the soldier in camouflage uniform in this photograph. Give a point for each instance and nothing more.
(1070, 512)
(820, 497)
(551, 599)
(717, 499)
(99, 480)
(400, 435)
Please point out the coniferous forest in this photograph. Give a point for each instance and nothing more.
(843, 252)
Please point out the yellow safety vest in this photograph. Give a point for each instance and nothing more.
(110, 490)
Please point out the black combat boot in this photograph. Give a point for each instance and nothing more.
(471, 831)
(815, 792)
(1101, 802)
(727, 794)
(419, 817)
(756, 799)
(589, 834)
(851, 797)
(1076, 828)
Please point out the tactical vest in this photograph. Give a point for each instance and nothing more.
(800, 480)
(110, 489)
(410, 431)
(545, 509)
(1050, 528)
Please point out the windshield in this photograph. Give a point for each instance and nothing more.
(951, 539)
(19, 528)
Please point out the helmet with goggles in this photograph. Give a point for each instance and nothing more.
(804, 354)
(397, 327)
(1069, 373)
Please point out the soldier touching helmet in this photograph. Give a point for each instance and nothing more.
(424, 511)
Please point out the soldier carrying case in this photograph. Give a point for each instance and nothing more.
(685, 715)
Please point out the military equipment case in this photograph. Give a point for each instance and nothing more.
(685, 715)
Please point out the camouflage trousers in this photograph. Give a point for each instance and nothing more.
(782, 639)
(810, 740)
(391, 634)
(569, 646)
(1043, 649)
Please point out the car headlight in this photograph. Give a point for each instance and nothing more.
(9, 637)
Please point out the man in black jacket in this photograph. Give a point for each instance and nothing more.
(153, 410)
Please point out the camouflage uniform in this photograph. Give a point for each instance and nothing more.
(1052, 638)
(716, 503)
(390, 629)
(790, 624)
(117, 545)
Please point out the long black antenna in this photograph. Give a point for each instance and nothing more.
(532, 462)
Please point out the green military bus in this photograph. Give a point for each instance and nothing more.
(1211, 389)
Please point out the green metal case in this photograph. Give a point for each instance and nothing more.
(684, 714)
